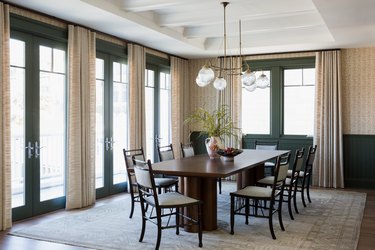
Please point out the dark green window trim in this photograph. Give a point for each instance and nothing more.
(276, 66)
(37, 28)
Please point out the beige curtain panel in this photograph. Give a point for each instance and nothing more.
(137, 66)
(328, 169)
(5, 163)
(180, 103)
(81, 118)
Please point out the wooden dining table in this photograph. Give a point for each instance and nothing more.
(199, 177)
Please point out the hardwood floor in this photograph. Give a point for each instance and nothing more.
(9, 242)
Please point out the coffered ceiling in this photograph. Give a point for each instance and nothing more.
(194, 28)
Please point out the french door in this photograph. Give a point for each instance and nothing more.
(111, 123)
(38, 124)
(158, 109)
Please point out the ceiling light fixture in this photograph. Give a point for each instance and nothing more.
(249, 81)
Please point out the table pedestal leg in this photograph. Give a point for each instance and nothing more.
(204, 189)
(250, 176)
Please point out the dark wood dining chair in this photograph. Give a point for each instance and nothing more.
(161, 183)
(304, 182)
(267, 145)
(166, 205)
(289, 193)
(249, 200)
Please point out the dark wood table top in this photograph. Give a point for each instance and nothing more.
(202, 166)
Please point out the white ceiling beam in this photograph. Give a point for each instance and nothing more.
(281, 37)
(146, 5)
(255, 25)
(147, 23)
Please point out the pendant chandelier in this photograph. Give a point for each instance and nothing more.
(248, 78)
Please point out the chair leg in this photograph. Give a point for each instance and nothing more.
(290, 203)
(270, 220)
(247, 211)
(303, 192)
(178, 221)
(231, 214)
(308, 188)
(143, 223)
(279, 213)
(219, 180)
(132, 204)
(159, 230)
(200, 225)
(295, 198)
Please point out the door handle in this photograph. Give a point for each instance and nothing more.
(37, 149)
(107, 142)
(30, 150)
(111, 141)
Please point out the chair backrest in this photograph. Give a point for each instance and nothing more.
(165, 152)
(310, 158)
(143, 173)
(281, 171)
(266, 145)
(297, 164)
(187, 150)
(130, 153)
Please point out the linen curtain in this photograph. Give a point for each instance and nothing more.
(137, 126)
(231, 96)
(180, 109)
(81, 118)
(328, 170)
(5, 162)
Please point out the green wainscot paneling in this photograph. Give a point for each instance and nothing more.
(359, 161)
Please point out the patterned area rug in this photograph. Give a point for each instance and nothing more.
(331, 221)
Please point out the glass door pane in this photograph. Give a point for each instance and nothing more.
(149, 111)
(52, 123)
(99, 129)
(120, 120)
(165, 109)
(17, 113)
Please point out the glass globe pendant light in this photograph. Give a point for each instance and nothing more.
(262, 82)
(220, 83)
(205, 76)
(248, 78)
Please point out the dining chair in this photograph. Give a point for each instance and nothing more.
(289, 193)
(187, 150)
(263, 198)
(165, 205)
(161, 183)
(166, 153)
(267, 145)
(305, 175)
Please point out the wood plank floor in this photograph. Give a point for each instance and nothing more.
(9, 242)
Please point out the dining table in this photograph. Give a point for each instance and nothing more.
(199, 176)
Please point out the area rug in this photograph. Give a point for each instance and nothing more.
(331, 221)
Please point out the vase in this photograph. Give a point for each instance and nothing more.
(212, 144)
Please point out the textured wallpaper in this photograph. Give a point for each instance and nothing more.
(358, 90)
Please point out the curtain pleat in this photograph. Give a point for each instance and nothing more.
(81, 118)
(328, 168)
(137, 126)
(180, 95)
(5, 162)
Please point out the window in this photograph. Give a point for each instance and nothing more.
(299, 93)
(285, 110)
(256, 104)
